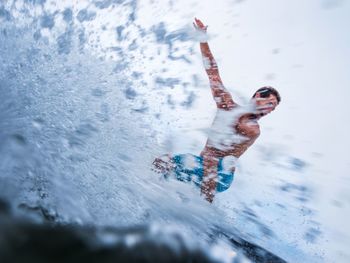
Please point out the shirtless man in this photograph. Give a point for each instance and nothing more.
(234, 130)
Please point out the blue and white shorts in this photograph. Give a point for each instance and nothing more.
(189, 168)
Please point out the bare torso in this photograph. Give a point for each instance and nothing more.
(233, 132)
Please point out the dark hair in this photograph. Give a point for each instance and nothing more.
(266, 91)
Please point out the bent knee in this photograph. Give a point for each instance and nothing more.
(163, 163)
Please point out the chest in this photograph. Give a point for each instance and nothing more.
(247, 125)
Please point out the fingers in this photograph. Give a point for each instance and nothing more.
(198, 24)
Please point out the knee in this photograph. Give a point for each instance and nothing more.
(163, 163)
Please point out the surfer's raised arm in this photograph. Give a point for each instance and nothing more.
(221, 96)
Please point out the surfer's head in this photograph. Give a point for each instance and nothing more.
(266, 100)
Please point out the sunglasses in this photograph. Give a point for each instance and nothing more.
(265, 93)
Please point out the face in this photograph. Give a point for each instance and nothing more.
(265, 105)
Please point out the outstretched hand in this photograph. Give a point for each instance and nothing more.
(198, 24)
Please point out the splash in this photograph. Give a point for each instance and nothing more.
(75, 126)
(87, 93)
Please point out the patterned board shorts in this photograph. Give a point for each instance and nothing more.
(189, 168)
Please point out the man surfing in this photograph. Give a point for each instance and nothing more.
(234, 130)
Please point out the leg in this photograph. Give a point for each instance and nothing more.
(210, 175)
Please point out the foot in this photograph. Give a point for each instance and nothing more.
(163, 164)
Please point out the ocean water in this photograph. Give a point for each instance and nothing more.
(92, 91)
